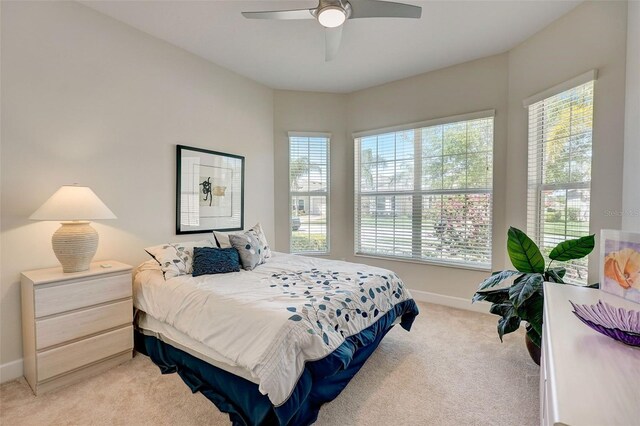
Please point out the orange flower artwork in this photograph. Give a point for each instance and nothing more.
(624, 268)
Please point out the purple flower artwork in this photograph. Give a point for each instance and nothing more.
(620, 264)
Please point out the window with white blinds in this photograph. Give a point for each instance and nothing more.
(425, 193)
(309, 193)
(559, 189)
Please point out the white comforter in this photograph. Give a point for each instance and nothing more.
(271, 320)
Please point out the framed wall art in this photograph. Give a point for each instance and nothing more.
(209, 191)
(620, 264)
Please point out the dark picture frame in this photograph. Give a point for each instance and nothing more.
(209, 191)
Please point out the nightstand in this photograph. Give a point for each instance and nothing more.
(75, 325)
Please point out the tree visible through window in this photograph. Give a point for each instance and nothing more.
(309, 193)
(560, 148)
(425, 193)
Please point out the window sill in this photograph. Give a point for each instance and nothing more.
(312, 253)
(486, 268)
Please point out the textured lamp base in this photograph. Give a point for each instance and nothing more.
(75, 244)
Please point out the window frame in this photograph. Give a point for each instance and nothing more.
(326, 194)
(536, 189)
(484, 114)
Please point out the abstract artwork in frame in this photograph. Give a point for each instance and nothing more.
(209, 191)
(620, 264)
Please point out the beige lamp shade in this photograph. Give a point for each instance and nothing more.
(72, 202)
(75, 242)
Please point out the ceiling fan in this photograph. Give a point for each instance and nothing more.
(331, 14)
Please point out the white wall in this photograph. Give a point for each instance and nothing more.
(313, 112)
(593, 35)
(88, 99)
(631, 194)
(473, 86)
(469, 87)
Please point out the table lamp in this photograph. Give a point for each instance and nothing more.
(75, 242)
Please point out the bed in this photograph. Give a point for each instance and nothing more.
(271, 345)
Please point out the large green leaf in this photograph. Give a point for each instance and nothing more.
(509, 322)
(496, 278)
(523, 287)
(532, 311)
(560, 271)
(500, 295)
(501, 309)
(555, 275)
(523, 252)
(573, 249)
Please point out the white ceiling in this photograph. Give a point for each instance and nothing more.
(290, 54)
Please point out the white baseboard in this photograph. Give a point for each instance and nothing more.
(11, 371)
(451, 301)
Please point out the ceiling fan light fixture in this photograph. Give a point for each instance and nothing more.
(332, 16)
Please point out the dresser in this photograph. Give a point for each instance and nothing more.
(75, 325)
(586, 378)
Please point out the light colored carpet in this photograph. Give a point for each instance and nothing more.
(451, 369)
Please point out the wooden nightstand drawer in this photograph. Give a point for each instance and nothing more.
(66, 327)
(53, 299)
(75, 355)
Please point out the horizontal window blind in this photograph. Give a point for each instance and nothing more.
(559, 172)
(309, 193)
(425, 194)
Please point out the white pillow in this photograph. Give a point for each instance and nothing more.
(176, 259)
(223, 239)
(148, 265)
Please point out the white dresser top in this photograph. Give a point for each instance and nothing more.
(595, 380)
(43, 276)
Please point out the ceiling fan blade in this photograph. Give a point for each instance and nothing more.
(281, 14)
(383, 9)
(332, 39)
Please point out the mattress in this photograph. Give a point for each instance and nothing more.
(150, 326)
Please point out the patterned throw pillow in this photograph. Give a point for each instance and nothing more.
(266, 250)
(176, 259)
(249, 249)
(211, 260)
(223, 239)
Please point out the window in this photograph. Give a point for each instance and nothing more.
(560, 138)
(424, 192)
(309, 192)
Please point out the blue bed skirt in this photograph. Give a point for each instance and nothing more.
(320, 382)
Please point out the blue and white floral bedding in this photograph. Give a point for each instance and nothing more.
(273, 319)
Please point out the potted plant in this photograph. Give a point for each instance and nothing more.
(523, 299)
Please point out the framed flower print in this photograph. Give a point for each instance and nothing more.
(620, 264)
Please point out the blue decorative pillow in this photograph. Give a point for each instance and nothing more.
(209, 260)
